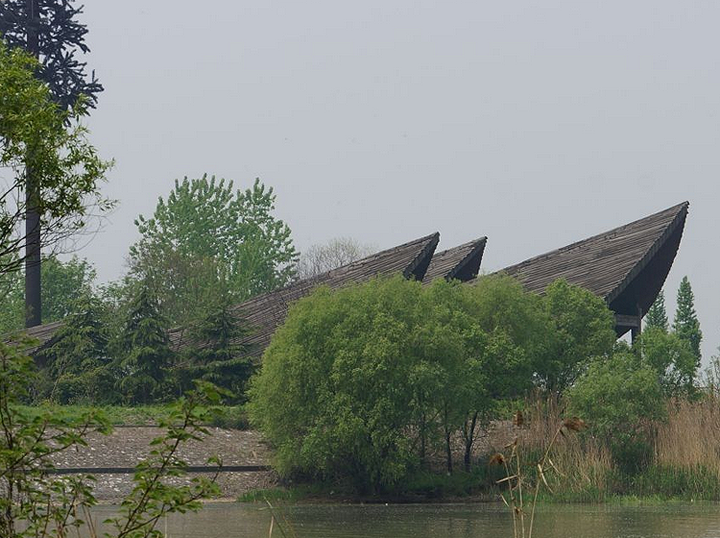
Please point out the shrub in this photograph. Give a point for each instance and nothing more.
(620, 397)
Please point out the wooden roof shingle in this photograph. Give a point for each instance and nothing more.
(626, 266)
(264, 313)
(461, 262)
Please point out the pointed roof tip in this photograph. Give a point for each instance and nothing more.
(461, 262)
(419, 266)
(267, 311)
(608, 263)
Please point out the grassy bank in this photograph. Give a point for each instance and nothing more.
(232, 417)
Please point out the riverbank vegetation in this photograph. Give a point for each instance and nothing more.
(388, 387)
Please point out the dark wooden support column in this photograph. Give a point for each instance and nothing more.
(624, 322)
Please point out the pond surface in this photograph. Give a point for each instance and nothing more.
(233, 520)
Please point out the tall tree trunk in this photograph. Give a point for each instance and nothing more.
(469, 435)
(422, 439)
(33, 305)
(448, 451)
(448, 434)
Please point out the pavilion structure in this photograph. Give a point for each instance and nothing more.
(626, 266)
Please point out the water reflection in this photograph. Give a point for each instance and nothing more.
(230, 520)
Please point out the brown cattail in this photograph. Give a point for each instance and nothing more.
(574, 424)
(518, 418)
(497, 459)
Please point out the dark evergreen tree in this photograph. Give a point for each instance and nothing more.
(50, 31)
(215, 354)
(59, 38)
(78, 366)
(145, 350)
(686, 324)
(657, 315)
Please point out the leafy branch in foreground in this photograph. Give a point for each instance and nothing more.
(36, 503)
(45, 504)
(154, 496)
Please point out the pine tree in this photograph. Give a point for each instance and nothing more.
(51, 31)
(146, 349)
(216, 355)
(78, 365)
(657, 315)
(686, 324)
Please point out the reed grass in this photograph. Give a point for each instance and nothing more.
(685, 461)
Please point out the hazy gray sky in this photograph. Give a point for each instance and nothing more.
(534, 123)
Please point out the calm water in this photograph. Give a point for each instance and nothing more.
(228, 520)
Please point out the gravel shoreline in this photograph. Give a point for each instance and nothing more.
(127, 446)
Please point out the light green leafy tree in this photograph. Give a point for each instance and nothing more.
(672, 359)
(206, 237)
(582, 328)
(66, 284)
(358, 383)
(333, 392)
(657, 315)
(507, 338)
(620, 397)
(35, 134)
(686, 324)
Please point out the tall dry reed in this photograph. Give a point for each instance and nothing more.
(690, 438)
(585, 463)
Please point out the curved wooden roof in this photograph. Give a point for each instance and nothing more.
(264, 313)
(626, 266)
(461, 262)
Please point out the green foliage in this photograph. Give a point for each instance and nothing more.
(36, 504)
(505, 336)
(65, 286)
(333, 392)
(686, 324)
(12, 302)
(582, 327)
(620, 397)
(657, 316)
(145, 350)
(36, 135)
(672, 359)
(208, 243)
(214, 353)
(78, 366)
(360, 382)
(27, 444)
